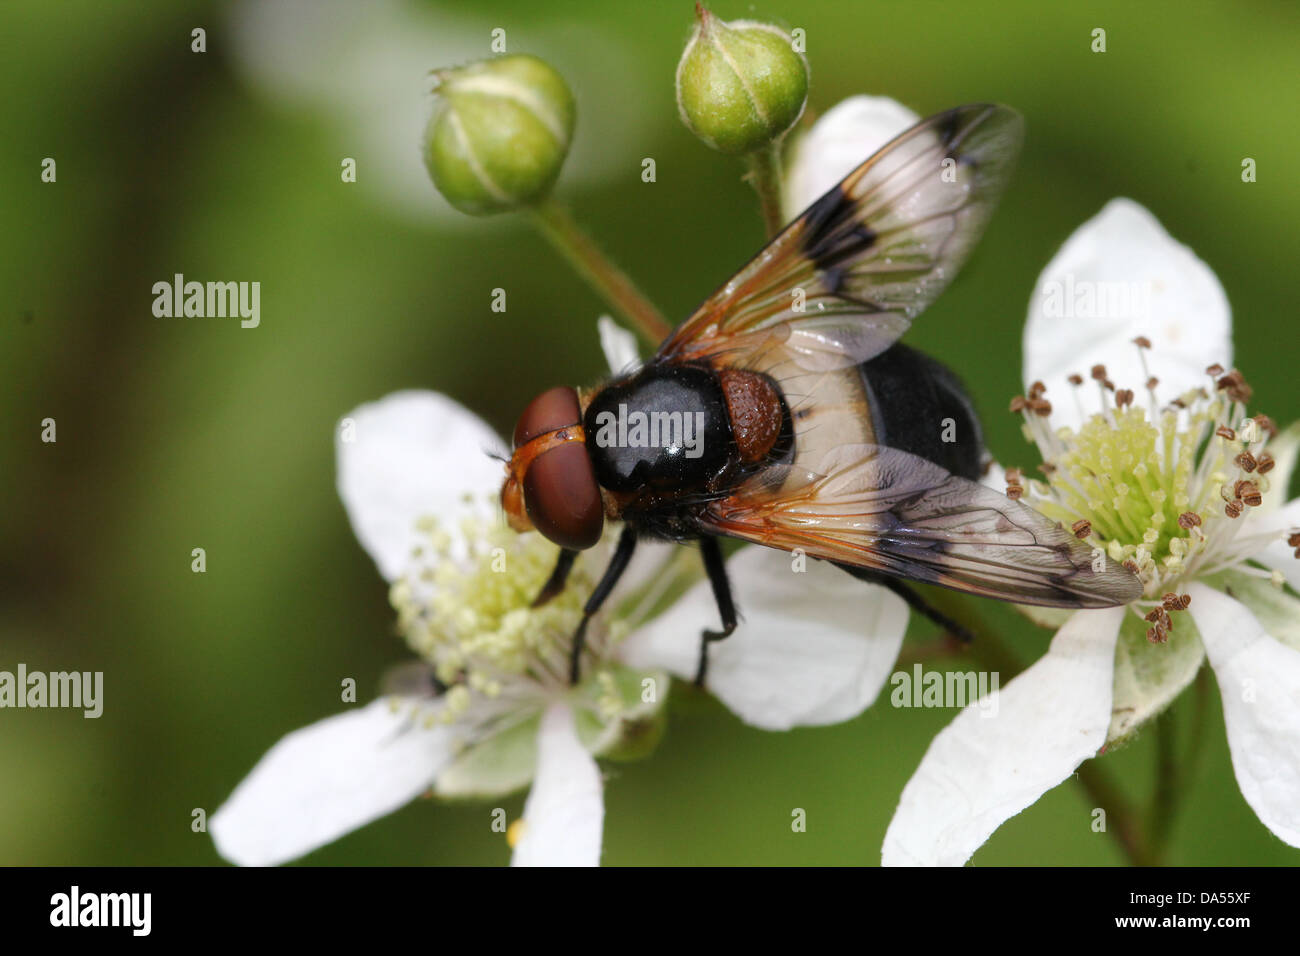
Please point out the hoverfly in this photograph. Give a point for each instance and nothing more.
(789, 417)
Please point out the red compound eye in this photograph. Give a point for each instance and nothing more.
(561, 495)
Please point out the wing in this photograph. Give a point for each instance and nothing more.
(843, 281)
(884, 509)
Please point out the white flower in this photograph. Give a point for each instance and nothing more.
(419, 486)
(838, 143)
(1187, 491)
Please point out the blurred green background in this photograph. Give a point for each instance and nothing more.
(175, 434)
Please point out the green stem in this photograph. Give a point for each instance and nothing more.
(765, 177)
(1173, 776)
(1194, 748)
(609, 281)
(1121, 819)
(1160, 815)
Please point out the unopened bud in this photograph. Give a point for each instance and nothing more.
(740, 85)
(500, 134)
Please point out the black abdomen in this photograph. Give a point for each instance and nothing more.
(919, 406)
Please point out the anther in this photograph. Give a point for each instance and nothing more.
(1075, 378)
(1159, 616)
(1266, 425)
(1246, 462)
(1124, 398)
(1223, 431)
(1142, 342)
(1018, 404)
(1214, 370)
(1248, 492)
(1189, 520)
(1081, 528)
(1235, 385)
(1232, 509)
(1036, 390)
(1265, 463)
(1099, 373)
(1040, 406)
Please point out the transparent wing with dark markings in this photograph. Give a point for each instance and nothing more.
(843, 281)
(884, 509)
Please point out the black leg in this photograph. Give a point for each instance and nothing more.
(914, 600)
(555, 583)
(617, 565)
(717, 571)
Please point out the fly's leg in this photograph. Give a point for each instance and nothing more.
(555, 583)
(617, 565)
(717, 571)
(917, 603)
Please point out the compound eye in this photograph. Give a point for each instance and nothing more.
(562, 497)
(553, 409)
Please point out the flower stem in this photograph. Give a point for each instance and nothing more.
(609, 281)
(765, 176)
(1174, 776)
(1121, 819)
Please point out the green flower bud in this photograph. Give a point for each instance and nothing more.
(740, 85)
(500, 135)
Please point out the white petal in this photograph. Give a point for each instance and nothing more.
(565, 811)
(1276, 609)
(1284, 449)
(328, 779)
(619, 346)
(995, 477)
(1259, 682)
(1003, 752)
(1141, 282)
(812, 648)
(1279, 555)
(838, 143)
(409, 455)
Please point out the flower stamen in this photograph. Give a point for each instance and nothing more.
(1159, 490)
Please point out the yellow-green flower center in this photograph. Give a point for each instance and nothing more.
(466, 607)
(1162, 490)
